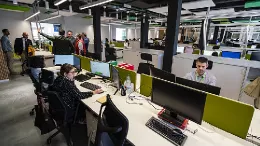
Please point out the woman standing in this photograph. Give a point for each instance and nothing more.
(80, 47)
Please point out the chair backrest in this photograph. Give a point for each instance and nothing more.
(147, 57)
(47, 77)
(57, 108)
(36, 61)
(112, 126)
(255, 56)
(144, 68)
(215, 47)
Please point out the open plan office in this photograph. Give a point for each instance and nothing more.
(130, 73)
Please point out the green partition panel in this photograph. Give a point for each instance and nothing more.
(248, 56)
(85, 63)
(123, 73)
(119, 44)
(196, 51)
(229, 115)
(146, 85)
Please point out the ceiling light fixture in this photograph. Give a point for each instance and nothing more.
(15, 2)
(58, 2)
(50, 18)
(93, 4)
(32, 16)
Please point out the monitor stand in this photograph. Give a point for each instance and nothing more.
(173, 118)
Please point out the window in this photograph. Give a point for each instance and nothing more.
(120, 34)
(47, 28)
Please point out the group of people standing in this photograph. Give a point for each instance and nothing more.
(69, 44)
(21, 46)
(61, 45)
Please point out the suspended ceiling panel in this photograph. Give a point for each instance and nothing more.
(198, 4)
(164, 10)
(64, 13)
(26, 1)
(216, 12)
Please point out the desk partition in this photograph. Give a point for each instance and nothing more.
(229, 115)
(123, 73)
(226, 114)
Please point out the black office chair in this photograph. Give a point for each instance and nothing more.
(144, 68)
(215, 47)
(63, 118)
(112, 126)
(35, 62)
(110, 54)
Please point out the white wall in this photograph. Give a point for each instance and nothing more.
(14, 22)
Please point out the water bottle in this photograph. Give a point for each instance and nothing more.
(128, 85)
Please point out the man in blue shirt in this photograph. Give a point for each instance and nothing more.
(86, 40)
(7, 49)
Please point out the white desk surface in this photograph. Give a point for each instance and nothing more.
(44, 53)
(138, 115)
(149, 51)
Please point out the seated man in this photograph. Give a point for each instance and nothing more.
(200, 74)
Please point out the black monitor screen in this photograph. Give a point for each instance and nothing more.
(184, 101)
(255, 56)
(200, 86)
(155, 72)
(115, 77)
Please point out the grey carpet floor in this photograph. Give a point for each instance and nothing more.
(16, 125)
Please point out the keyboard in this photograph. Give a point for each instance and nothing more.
(82, 78)
(166, 131)
(90, 86)
(90, 74)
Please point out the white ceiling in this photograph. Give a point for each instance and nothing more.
(198, 4)
(64, 13)
(26, 1)
(164, 10)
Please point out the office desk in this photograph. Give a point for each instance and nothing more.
(138, 115)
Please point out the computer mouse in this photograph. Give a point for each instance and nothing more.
(177, 131)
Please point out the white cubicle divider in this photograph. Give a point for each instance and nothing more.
(133, 56)
(231, 74)
(91, 48)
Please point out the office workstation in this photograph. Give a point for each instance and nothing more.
(109, 72)
(139, 109)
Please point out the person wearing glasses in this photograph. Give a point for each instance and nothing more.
(68, 91)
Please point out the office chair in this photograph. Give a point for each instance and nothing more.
(35, 62)
(110, 54)
(215, 47)
(144, 68)
(61, 115)
(112, 126)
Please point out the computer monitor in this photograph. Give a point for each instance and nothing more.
(255, 56)
(155, 72)
(179, 101)
(115, 78)
(100, 68)
(228, 54)
(200, 86)
(77, 63)
(62, 59)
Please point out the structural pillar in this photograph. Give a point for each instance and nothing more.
(222, 34)
(172, 32)
(144, 31)
(97, 32)
(202, 41)
(215, 36)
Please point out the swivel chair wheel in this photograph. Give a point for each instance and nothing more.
(31, 113)
(48, 141)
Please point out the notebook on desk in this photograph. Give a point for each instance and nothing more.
(102, 100)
